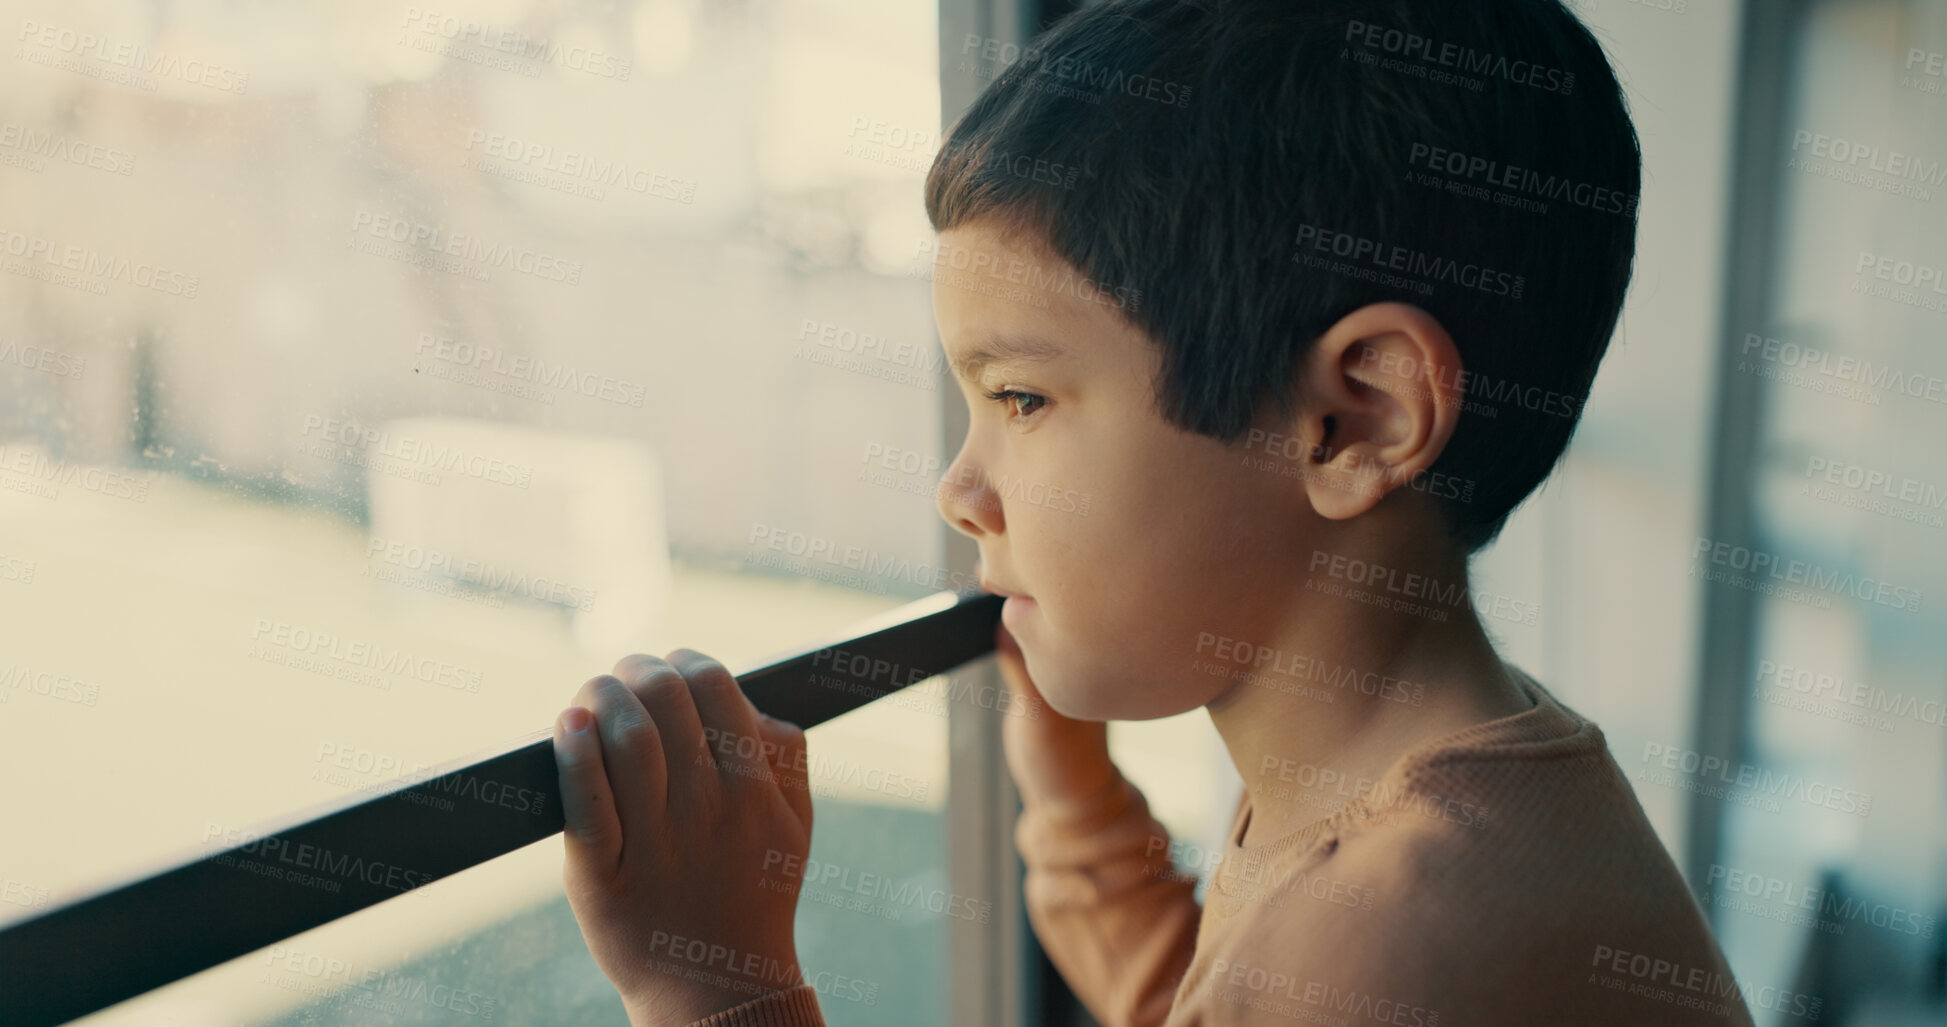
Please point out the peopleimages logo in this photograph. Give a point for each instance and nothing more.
(34, 146)
(20, 893)
(356, 653)
(1761, 565)
(870, 567)
(487, 575)
(1300, 667)
(1417, 270)
(1274, 991)
(760, 758)
(1865, 164)
(416, 454)
(516, 367)
(1253, 878)
(1292, 457)
(1410, 584)
(1892, 163)
(1871, 699)
(43, 359)
(1841, 370)
(46, 259)
(1900, 272)
(426, 244)
(303, 856)
(1829, 907)
(579, 173)
(1433, 53)
(1032, 280)
(459, 31)
(15, 568)
(1693, 987)
(897, 895)
(1884, 483)
(1090, 80)
(1522, 180)
(32, 470)
(906, 147)
(1381, 797)
(1700, 767)
(1503, 392)
(16, 676)
(338, 983)
(74, 46)
(1875, 491)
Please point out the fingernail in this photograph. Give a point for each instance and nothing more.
(575, 719)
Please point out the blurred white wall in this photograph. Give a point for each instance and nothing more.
(1604, 548)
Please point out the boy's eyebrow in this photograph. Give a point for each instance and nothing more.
(1024, 348)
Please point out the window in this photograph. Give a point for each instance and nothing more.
(1822, 871)
(374, 376)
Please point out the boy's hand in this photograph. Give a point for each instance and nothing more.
(688, 821)
(1059, 763)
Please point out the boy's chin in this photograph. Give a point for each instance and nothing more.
(1079, 698)
(1084, 692)
(1064, 697)
(1074, 712)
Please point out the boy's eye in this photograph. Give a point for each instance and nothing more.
(1017, 398)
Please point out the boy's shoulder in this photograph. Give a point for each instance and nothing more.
(1490, 878)
(1526, 821)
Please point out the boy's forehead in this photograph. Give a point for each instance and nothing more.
(995, 240)
(1010, 300)
(1001, 346)
(994, 260)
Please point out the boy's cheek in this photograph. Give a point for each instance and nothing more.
(1057, 685)
(1102, 664)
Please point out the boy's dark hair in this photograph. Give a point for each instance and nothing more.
(1254, 170)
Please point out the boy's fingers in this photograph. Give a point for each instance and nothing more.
(666, 696)
(785, 741)
(593, 832)
(729, 720)
(632, 752)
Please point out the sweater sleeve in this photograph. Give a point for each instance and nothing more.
(792, 1007)
(1116, 917)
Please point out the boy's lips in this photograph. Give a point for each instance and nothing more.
(989, 586)
(1014, 609)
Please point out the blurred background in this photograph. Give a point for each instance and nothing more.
(374, 375)
(371, 375)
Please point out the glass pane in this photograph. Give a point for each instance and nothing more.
(375, 374)
(1830, 873)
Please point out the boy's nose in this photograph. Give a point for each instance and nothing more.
(967, 503)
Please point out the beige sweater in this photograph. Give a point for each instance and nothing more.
(1503, 875)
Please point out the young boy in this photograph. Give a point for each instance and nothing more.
(1317, 312)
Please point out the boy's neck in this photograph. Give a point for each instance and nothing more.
(1339, 693)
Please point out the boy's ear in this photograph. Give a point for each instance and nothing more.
(1379, 396)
